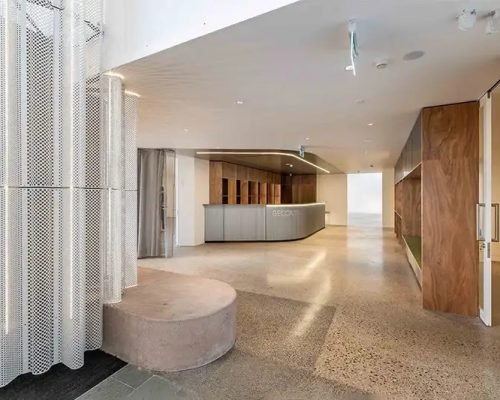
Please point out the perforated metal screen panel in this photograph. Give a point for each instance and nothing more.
(129, 277)
(67, 217)
(120, 130)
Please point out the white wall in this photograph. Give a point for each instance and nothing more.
(388, 198)
(192, 191)
(136, 28)
(332, 190)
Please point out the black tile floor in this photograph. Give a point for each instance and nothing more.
(62, 383)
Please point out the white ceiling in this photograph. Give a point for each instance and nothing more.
(288, 68)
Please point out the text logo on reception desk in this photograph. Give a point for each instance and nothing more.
(284, 213)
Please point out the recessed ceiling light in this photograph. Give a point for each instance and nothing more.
(186, 130)
(467, 19)
(289, 165)
(413, 55)
(239, 102)
(308, 138)
(370, 123)
(382, 64)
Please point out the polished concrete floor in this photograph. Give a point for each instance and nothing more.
(364, 219)
(337, 315)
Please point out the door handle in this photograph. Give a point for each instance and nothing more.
(496, 220)
(479, 232)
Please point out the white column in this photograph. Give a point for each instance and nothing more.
(192, 188)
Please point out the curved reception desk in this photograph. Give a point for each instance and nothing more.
(259, 222)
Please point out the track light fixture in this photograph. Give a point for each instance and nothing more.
(492, 22)
(353, 46)
(467, 19)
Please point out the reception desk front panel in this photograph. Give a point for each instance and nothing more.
(262, 222)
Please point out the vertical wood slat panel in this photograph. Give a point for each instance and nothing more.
(299, 188)
(215, 182)
(450, 151)
(244, 192)
(255, 192)
(231, 191)
(263, 193)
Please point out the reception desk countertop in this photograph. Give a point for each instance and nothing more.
(259, 222)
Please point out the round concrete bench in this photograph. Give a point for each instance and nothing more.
(171, 322)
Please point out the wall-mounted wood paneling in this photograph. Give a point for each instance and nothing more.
(241, 173)
(304, 189)
(255, 192)
(450, 150)
(259, 187)
(239, 178)
(244, 192)
(298, 189)
(277, 194)
(411, 207)
(231, 191)
(411, 155)
(229, 171)
(215, 195)
(263, 193)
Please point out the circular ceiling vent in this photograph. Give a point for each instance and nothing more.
(413, 55)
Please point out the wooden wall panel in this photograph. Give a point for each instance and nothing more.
(398, 198)
(255, 192)
(270, 193)
(244, 192)
(411, 207)
(286, 189)
(304, 189)
(263, 193)
(274, 188)
(215, 194)
(229, 171)
(241, 173)
(450, 146)
(231, 191)
(277, 194)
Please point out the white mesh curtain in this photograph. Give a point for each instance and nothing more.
(55, 223)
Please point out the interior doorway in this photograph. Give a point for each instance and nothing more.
(488, 208)
(364, 199)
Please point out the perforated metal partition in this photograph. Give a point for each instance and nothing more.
(129, 277)
(66, 215)
(120, 129)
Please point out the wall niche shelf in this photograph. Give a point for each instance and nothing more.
(436, 189)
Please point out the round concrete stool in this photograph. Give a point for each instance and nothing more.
(171, 322)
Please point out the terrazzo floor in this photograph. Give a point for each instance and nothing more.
(334, 316)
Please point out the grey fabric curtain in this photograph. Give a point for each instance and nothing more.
(151, 165)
